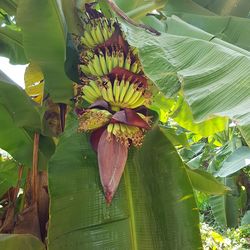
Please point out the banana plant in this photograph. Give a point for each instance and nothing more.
(90, 138)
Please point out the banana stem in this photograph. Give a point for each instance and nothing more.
(35, 168)
(143, 10)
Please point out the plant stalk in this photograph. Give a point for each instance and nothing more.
(34, 176)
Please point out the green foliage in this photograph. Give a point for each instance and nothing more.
(44, 44)
(153, 200)
(20, 241)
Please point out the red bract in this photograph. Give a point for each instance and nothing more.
(112, 157)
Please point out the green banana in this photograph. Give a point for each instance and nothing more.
(93, 34)
(89, 38)
(104, 94)
(84, 69)
(117, 89)
(90, 92)
(95, 87)
(140, 102)
(120, 59)
(135, 97)
(109, 60)
(88, 99)
(103, 63)
(134, 68)
(97, 65)
(127, 62)
(91, 69)
(110, 92)
(100, 38)
(130, 92)
(124, 90)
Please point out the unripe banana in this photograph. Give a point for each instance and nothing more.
(134, 67)
(104, 94)
(124, 90)
(95, 87)
(127, 62)
(139, 103)
(129, 93)
(88, 91)
(100, 38)
(88, 99)
(135, 97)
(110, 92)
(105, 32)
(89, 38)
(91, 69)
(108, 60)
(120, 59)
(84, 69)
(97, 65)
(114, 59)
(103, 63)
(85, 42)
(121, 88)
(116, 88)
(93, 34)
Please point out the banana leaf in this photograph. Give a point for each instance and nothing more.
(214, 78)
(154, 207)
(44, 41)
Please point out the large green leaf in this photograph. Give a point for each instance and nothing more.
(20, 242)
(232, 29)
(154, 206)
(8, 175)
(9, 6)
(19, 118)
(44, 36)
(226, 207)
(18, 141)
(239, 159)
(227, 7)
(214, 78)
(24, 112)
(205, 182)
(11, 45)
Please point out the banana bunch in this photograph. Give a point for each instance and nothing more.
(120, 93)
(102, 63)
(92, 119)
(91, 92)
(97, 31)
(126, 134)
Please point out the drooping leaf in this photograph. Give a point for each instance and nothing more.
(11, 45)
(45, 44)
(184, 117)
(8, 175)
(18, 141)
(214, 77)
(225, 207)
(153, 202)
(205, 182)
(234, 30)
(21, 108)
(176, 139)
(246, 218)
(239, 159)
(19, 118)
(19, 242)
(227, 7)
